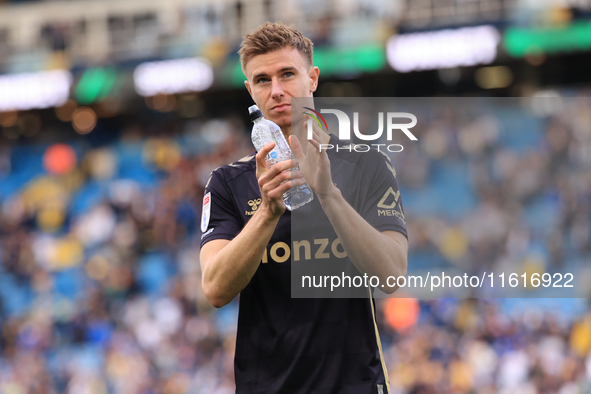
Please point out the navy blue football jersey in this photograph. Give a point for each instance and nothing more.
(304, 345)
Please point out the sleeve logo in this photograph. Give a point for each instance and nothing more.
(393, 207)
(389, 192)
(205, 212)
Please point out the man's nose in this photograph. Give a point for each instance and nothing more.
(276, 89)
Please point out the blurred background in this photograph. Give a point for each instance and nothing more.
(113, 114)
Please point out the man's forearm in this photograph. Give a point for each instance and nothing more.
(230, 269)
(371, 251)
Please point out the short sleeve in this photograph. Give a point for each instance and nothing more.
(218, 213)
(382, 208)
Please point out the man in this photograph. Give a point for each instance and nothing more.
(292, 345)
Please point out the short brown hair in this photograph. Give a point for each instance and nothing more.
(271, 37)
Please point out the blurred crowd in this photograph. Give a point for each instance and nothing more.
(100, 284)
(474, 347)
(101, 287)
(511, 191)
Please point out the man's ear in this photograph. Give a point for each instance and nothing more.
(248, 88)
(314, 73)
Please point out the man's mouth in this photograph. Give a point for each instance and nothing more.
(280, 107)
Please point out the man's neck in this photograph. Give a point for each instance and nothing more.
(286, 131)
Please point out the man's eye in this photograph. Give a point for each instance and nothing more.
(262, 80)
(288, 74)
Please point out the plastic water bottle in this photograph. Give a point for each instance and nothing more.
(265, 131)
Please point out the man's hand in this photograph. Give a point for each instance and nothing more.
(314, 164)
(275, 181)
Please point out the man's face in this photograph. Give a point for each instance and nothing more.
(275, 77)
